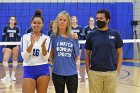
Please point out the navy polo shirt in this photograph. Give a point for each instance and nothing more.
(103, 45)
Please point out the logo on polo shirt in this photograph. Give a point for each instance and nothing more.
(111, 37)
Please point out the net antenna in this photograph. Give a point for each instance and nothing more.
(134, 24)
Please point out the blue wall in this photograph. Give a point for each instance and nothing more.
(121, 17)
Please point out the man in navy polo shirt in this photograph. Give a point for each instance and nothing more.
(103, 55)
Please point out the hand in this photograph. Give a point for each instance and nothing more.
(32, 39)
(118, 72)
(49, 62)
(44, 42)
(88, 71)
(74, 35)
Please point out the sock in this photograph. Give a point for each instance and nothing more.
(13, 73)
(7, 73)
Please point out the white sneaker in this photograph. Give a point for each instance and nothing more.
(86, 76)
(13, 78)
(79, 76)
(6, 79)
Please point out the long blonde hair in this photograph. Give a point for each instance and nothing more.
(68, 29)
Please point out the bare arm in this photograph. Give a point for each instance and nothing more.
(119, 59)
(46, 48)
(87, 59)
(44, 51)
(51, 56)
(75, 36)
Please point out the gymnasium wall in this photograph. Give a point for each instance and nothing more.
(136, 15)
(121, 15)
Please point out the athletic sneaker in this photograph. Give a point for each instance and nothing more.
(13, 77)
(6, 79)
(86, 76)
(79, 76)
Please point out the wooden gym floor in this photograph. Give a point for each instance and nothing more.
(128, 82)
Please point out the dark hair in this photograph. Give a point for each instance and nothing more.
(38, 13)
(51, 24)
(15, 19)
(106, 12)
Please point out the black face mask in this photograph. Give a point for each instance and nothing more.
(100, 24)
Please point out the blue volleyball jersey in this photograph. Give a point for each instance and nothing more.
(103, 45)
(50, 32)
(87, 29)
(29, 30)
(11, 34)
(78, 31)
(65, 52)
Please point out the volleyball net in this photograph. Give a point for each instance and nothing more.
(132, 43)
(125, 41)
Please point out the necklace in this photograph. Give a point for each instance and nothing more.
(37, 38)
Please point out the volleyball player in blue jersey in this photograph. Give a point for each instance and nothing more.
(51, 28)
(65, 50)
(76, 28)
(90, 27)
(79, 31)
(35, 52)
(11, 33)
(29, 30)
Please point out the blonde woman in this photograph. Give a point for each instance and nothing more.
(65, 50)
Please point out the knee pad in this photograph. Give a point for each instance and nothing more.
(15, 63)
(5, 63)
